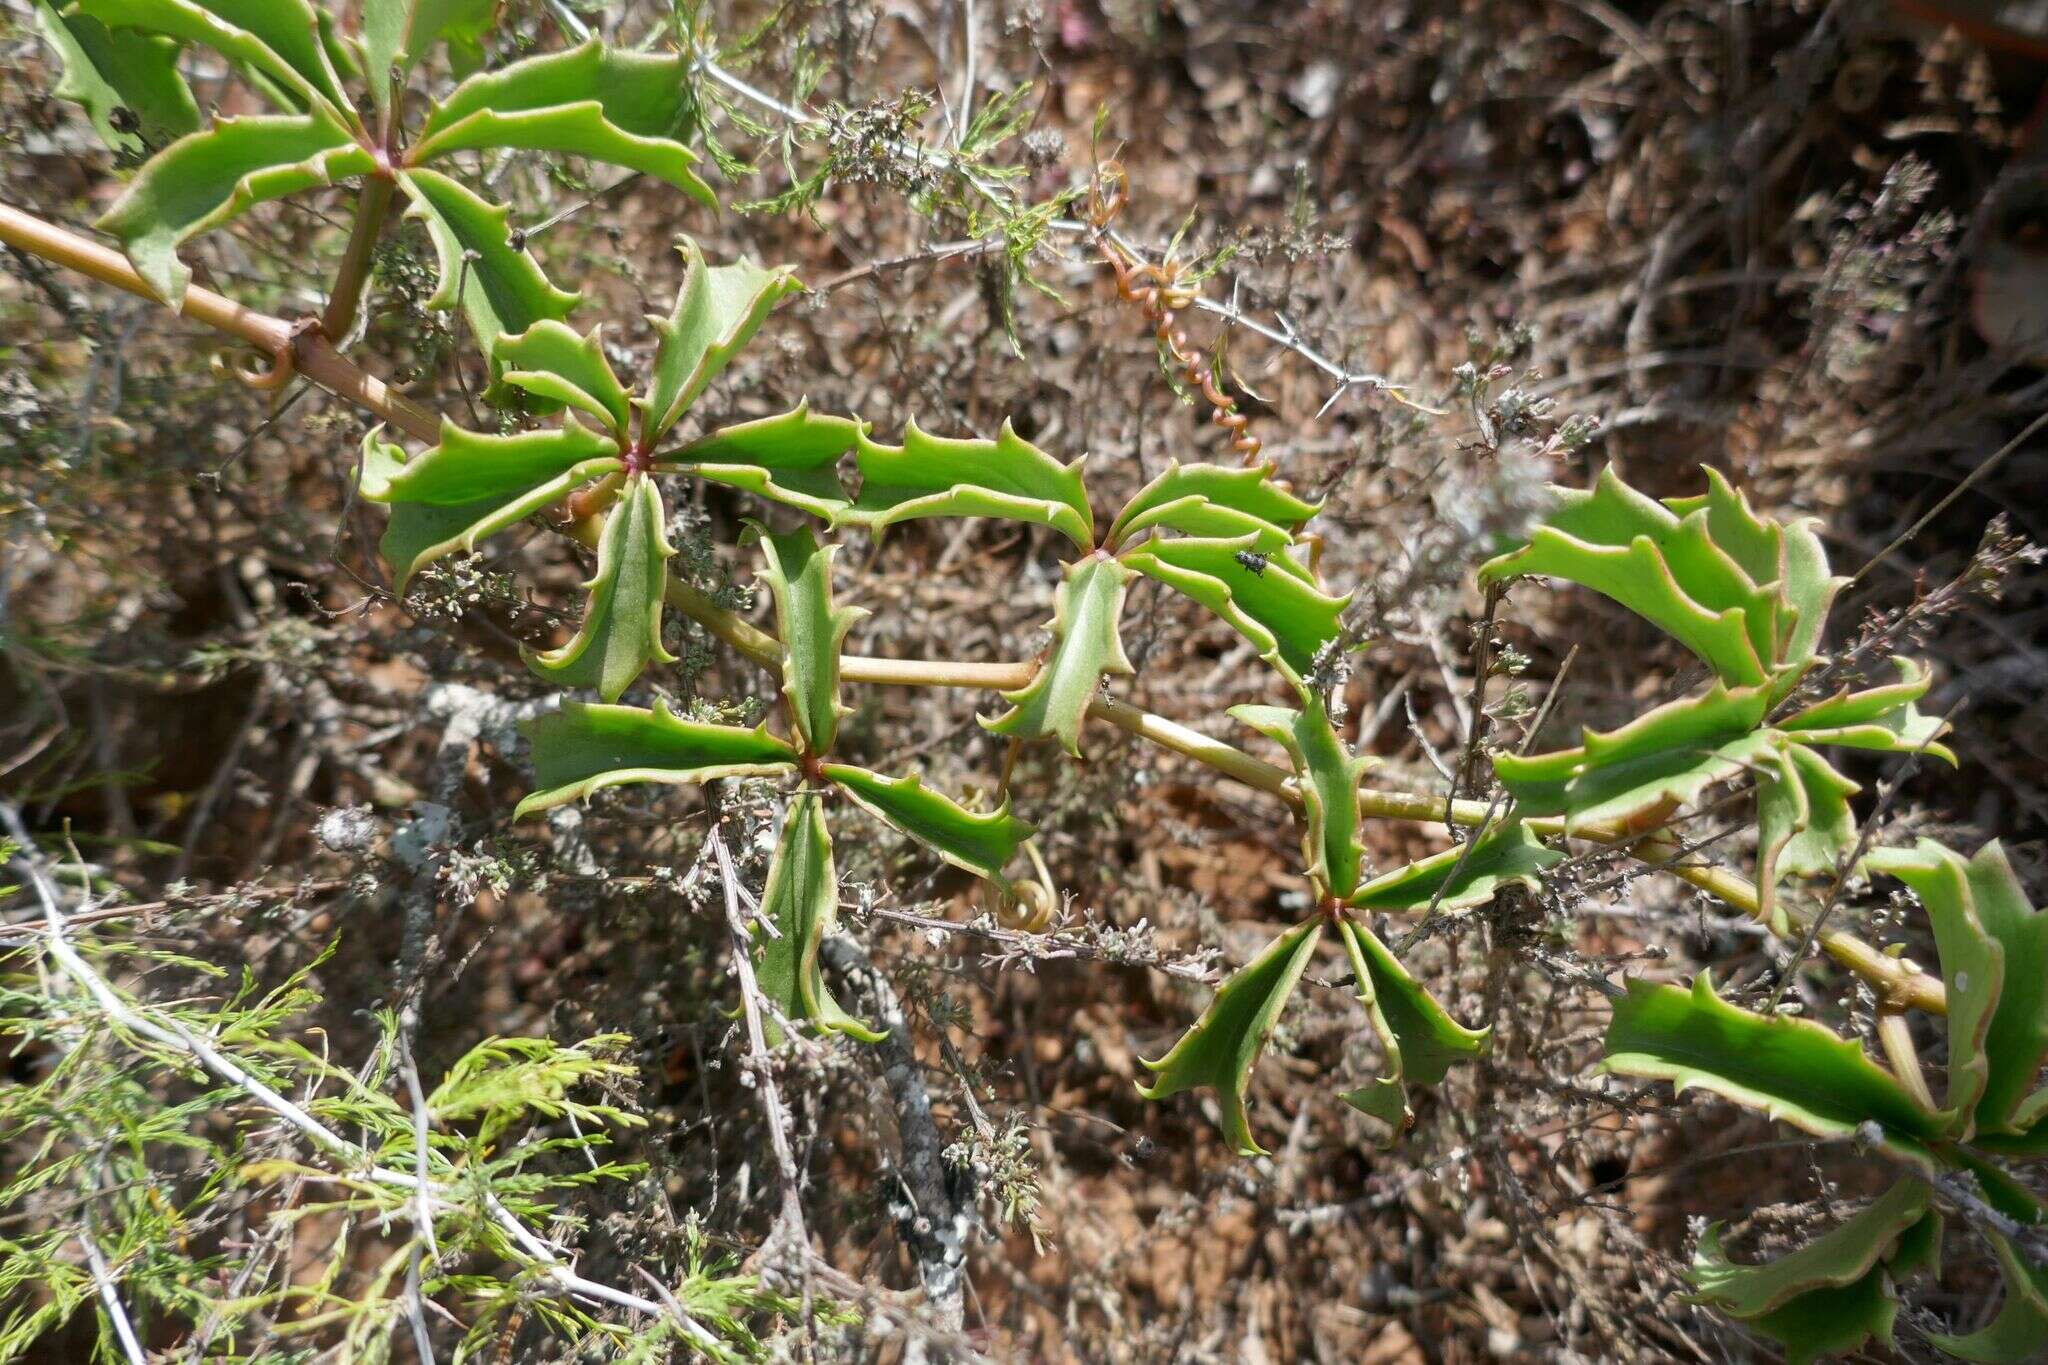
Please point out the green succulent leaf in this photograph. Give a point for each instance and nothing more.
(2017, 1334)
(278, 40)
(1205, 520)
(1994, 964)
(1288, 619)
(398, 33)
(1460, 878)
(1880, 718)
(802, 901)
(1327, 776)
(469, 465)
(799, 574)
(209, 178)
(551, 362)
(501, 289)
(447, 510)
(789, 458)
(1831, 1295)
(1793, 1070)
(1418, 1036)
(717, 311)
(1789, 555)
(581, 749)
(106, 71)
(981, 844)
(621, 629)
(625, 108)
(1748, 596)
(1214, 502)
(1804, 822)
(1664, 757)
(942, 476)
(1086, 646)
(1224, 1044)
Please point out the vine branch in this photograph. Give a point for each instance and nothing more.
(315, 358)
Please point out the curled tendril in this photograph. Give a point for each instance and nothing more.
(1160, 294)
(268, 379)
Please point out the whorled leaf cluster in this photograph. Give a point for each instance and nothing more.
(1749, 596)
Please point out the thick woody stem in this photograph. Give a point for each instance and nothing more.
(373, 203)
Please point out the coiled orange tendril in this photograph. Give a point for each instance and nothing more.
(1160, 295)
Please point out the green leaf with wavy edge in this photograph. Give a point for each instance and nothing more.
(1462, 877)
(945, 476)
(501, 290)
(798, 572)
(277, 39)
(1224, 1044)
(1418, 1036)
(1640, 577)
(2017, 1334)
(586, 125)
(1840, 1257)
(468, 465)
(418, 533)
(1290, 621)
(789, 458)
(801, 900)
(398, 33)
(209, 178)
(1205, 520)
(1793, 1070)
(1086, 647)
(1880, 718)
(108, 70)
(551, 362)
(717, 311)
(1832, 1294)
(1804, 822)
(1671, 569)
(620, 633)
(583, 748)
(1177, 500)
(1789, 555)
(1994, 963)
(979, 843)
(1664, 756)
(1327, 775)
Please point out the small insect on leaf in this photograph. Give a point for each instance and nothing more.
(1285, 615)
(207, 179)
(126, 81)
